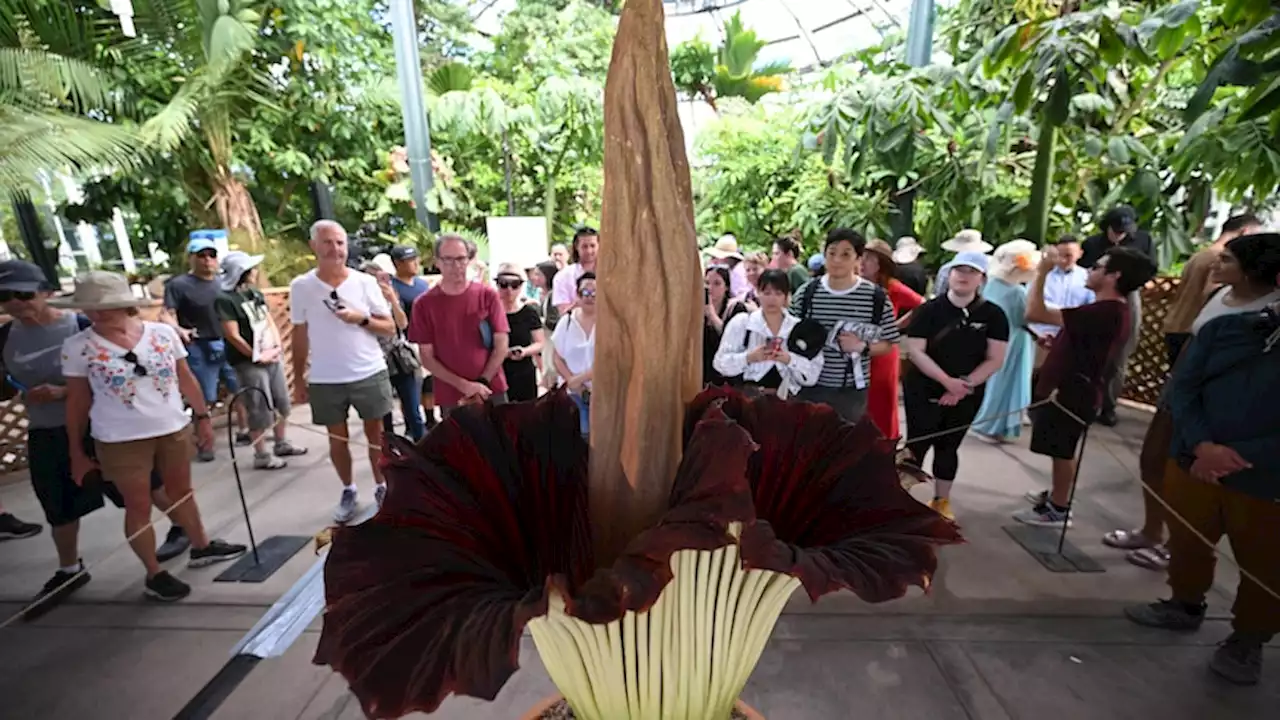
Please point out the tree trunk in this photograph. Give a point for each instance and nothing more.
(648, 362)
(236, 210)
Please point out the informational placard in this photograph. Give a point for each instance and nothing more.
(519, 240)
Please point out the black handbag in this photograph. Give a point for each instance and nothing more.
(402, 358)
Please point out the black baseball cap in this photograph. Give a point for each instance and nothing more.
(22, 276)
(403, 252)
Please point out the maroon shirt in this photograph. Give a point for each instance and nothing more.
(1091, 337)
(450, 324)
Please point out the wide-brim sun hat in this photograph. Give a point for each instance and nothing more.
(967, 240)
(907, 250)
(1015, 262)
(234, 266)
(725, 248)
(882, 250)
(100, 290)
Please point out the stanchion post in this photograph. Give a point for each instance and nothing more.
(1075, 480)
(235, 467)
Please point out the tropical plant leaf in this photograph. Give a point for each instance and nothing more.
(32, 141)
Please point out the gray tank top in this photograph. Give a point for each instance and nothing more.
(33, 356)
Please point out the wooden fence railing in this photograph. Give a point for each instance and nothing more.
(1147, 366)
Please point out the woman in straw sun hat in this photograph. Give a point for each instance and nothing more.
(968, 240)
(1013, 265)
(877, 265)
(126, 381)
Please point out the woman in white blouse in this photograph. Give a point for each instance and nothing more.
(754, 345)
(574, 340)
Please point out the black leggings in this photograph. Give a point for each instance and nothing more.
(926, 417)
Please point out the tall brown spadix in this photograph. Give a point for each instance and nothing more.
(648, 361)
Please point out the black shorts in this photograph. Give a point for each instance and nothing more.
(49, 464)
(1057, 434)
(428, 385)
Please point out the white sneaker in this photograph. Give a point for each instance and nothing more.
(347, 507)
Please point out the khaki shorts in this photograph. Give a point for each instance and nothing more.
(137, 458)
(371, 397)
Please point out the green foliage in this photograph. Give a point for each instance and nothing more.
(731, 70)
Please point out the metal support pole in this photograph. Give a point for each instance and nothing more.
(919, 52)
(417, 133)
(1075, 480)
(33, 237)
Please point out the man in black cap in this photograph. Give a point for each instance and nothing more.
(409, 284)
(1119, 229)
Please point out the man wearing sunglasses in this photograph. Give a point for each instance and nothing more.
(190, 307)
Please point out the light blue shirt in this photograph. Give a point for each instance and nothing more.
(1064, 289)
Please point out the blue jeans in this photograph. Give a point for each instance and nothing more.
(584, 412)
(407, 387)
(208, 362)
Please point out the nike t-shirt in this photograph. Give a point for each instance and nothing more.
(32, 356)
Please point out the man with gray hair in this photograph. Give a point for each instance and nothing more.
(337, 314)
(461, 330)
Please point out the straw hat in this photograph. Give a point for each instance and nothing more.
(1015, 262)
(908, 249)
(510, 270)
(100, 290)
(726, 247)
(967, 241)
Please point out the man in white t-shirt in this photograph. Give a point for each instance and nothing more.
(337, 314)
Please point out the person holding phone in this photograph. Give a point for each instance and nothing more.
(575, 348)
(755, 346)
(526, 335)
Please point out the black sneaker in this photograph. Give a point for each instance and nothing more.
(59, 588)
(166, 588)
(1167, 615)
(215, 552)
(175, 543)
(1238, 660)
(11, 528)
(243, 437)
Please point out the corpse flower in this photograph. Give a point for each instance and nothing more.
(485, 531)
(650, 567)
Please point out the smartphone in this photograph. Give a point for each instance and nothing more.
(706, 296)
(775, 344)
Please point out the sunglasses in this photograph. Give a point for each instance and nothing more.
(138, 368)
(587, 292)
(510, 284)
(207, 254)
(334, 301)
(7, 295)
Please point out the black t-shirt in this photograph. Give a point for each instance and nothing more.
(914, 276)
(523, 322)
(248, 309)
(956, 338)
(192, 300)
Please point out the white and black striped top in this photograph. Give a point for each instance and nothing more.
(851, 310)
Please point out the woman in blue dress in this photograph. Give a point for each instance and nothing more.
(1009, 390)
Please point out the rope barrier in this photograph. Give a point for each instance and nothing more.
(1052, 399)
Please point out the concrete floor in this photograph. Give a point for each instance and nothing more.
(997, 636)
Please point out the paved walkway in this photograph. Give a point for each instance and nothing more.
(997, 637)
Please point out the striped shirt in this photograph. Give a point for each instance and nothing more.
(851, 310)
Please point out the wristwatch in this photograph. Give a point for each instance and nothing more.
(365, 321)
(967, 382)
(484, 382)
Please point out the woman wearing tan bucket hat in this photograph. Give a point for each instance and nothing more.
(126, 381)
(878, 266)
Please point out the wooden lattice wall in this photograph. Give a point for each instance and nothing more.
(1149, 365)
(13, 415)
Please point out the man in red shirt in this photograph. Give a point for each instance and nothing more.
(461, 331)
(1076, 369)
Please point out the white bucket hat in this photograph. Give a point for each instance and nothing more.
(100, 290)
(967, 241)
(1015, 261)
(906, 250)
(234, 265)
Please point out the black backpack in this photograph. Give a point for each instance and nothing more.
(878, 303)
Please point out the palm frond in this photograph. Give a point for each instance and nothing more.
(37, 78)
(168, 128)
(32, 141)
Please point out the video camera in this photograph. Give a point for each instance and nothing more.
(366, 243)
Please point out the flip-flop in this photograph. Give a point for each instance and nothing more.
(1126, 540)
(1150, 558)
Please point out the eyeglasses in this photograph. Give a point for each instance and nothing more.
(138, 368)
(454, 260)
(334, 301)
(587, 292)
(510, 284)
(7, 295)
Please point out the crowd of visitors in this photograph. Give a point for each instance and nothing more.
(1006, 335)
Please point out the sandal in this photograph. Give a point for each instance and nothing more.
(1150, 558)
(1126, 540)
(286, 449)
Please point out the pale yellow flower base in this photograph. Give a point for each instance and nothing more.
(687, 658)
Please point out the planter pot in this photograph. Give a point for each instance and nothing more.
(535, 712)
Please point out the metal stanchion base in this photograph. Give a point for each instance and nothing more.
(1042, 544)
(273, 553)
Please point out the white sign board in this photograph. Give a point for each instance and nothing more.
(519, 240)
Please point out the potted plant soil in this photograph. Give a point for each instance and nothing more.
(651, 567)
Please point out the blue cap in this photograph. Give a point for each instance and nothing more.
(976, 260)
(816, 262)
(200, 240)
